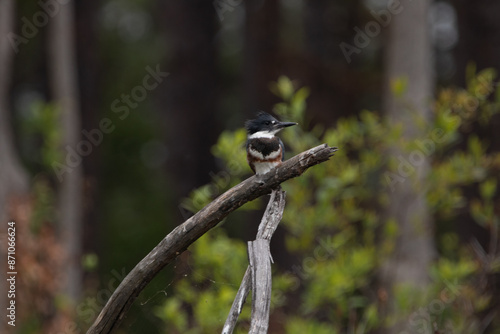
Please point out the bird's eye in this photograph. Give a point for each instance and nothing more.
(267, 122)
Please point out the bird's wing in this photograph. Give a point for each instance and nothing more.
(282, 150)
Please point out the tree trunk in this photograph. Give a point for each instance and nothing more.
(13, 178)
(408, 57)
(325, 61)
(261, 53)
(190, 92)
(63, 75)
(479, 31)
(90, 75)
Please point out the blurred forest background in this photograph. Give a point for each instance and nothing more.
(120, 118)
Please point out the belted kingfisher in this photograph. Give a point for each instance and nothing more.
(264, 150)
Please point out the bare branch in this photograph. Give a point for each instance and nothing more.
(270, 220)
(272, 216)
(260, 264)
(185, 234)
(238, 302)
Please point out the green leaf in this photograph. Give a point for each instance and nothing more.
(476, 147)
(399, 86)
(488, 188)
(90, 261)
(470, 72)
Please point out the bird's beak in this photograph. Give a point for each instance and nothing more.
(282, 125)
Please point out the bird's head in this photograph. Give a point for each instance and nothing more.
(265, 125)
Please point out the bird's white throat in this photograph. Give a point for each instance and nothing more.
(262, 134)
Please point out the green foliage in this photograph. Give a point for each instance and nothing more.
(43, 123)
(334, 225)
(230, 148)
(208, 293)
(399, 86)
(301, 326)
(90, 261)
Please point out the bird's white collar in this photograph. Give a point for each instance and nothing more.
(262, 134)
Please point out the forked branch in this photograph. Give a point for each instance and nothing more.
(258, 275)
(185, 234)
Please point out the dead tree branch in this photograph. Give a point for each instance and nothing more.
(185, 234)
(260, 263)
(258, 274)
(238, 302)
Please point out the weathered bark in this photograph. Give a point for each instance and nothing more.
(408, 56)
(185, 234)
(270, 220)
(13, 178)
(260, 264)
(238, 302)
(64, 87)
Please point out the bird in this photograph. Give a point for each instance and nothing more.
(265, 151)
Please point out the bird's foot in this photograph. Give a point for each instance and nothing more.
(259, 179)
